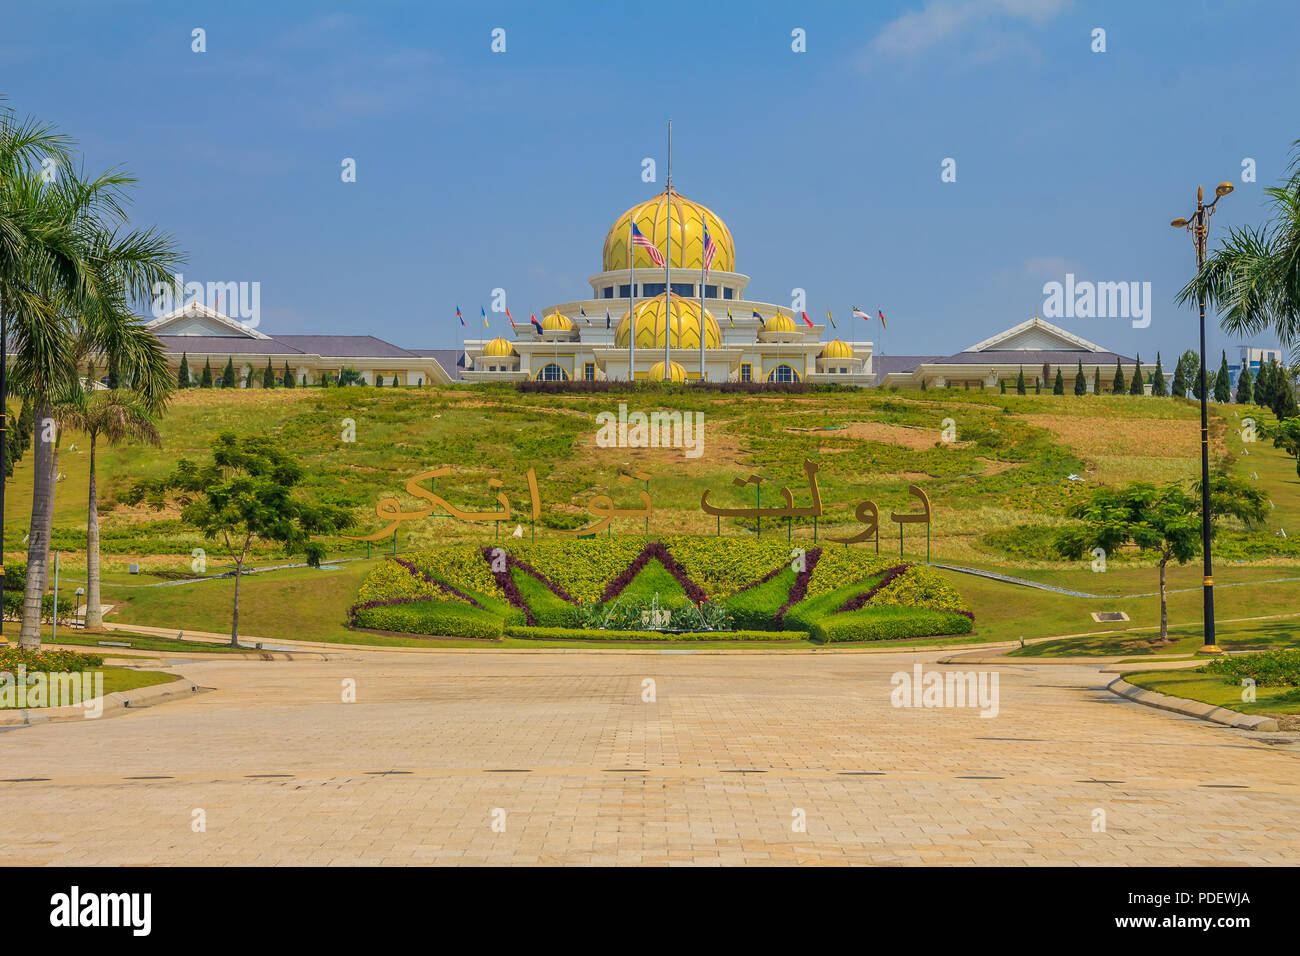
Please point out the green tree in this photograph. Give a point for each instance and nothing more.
(1058, 387)
(1080, 385)
(1117, 385)
(205, 380)
(1286, 435)
(1002, 385)
(379, 380)
(1020, 381)
(228, 374)
(1178, 387)
(1096, 381)
(268, 376)
(113, 416)
(1165, 520)
(396, 383)
(350, 376)
(183, 373)
(1223, 382)
(288, 377)
(1192, 371)
(1135, 386)
(247, 494)
(1158, 380)
(1244, 385)
(1253, 278)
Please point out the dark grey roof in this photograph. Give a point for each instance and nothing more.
(225, 345)
(344, 346)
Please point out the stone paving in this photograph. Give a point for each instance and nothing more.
(563, 755)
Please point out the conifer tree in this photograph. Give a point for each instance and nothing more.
(1244, 394)
(268, 376)
(1058, 388)
(1020, 381)
(205, 381)
(288, 377)
(1135, 386)
(379, 380)
(228, 374)
(1080, 386)
(183, 373)
(1223, 382)
(1117, 386)
(1158, 380)
(1096, 381)
(1178, 387)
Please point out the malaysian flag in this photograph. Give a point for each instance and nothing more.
(537, 325)
(459, 316)
(882, 318)
(638, 239)
(859, 314)
(710, 250)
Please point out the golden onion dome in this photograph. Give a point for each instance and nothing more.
(555, 322)
(675, 372)
(687, 219)
(837, 349)
(780, 323)
(498, 347)
(683, 325)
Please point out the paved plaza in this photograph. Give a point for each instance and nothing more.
(558, 758)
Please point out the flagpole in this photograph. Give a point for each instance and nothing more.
(668, 262)
(631, 303)
(703, 278)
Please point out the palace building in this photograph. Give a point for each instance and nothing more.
(605, 337)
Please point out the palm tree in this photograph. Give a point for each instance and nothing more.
(1254, 276)
(77, 309)
(114, 416)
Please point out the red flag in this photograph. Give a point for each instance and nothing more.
(510, 317)
(806, 319)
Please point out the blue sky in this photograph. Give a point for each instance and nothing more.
(478, 170)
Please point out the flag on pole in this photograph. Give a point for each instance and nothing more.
(485, 321)
(859, 314)
(638, 239)
(882, 318)
(807, 320)
(710, 250)
(607, 319)
(537, 325)
(759, 317)
(510, 317)
(459, 316)
(582, 312)
(831, 319)
(731, 319)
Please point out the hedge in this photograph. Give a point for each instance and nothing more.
(579, 634)
(433, 618)
(548, 608)
(889, 623)
(812, 609)
(1279, 668)
(13, 607)
(757, 607)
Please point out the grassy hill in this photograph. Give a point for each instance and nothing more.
(998, 490)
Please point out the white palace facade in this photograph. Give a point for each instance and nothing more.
(596, 338)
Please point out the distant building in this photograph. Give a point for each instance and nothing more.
(1026, 347)
(1251, 357)
(203, 335)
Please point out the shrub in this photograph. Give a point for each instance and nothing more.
(391, 579)
(840, 566)
(433, 618)
(810, 610)
(548, 609)
(584, 634)
(461, 566)
(1267, 669)
(888, 624)
(757, 606)
(919, 586)
(47, 661)
(13, 607)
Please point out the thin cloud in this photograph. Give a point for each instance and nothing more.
(942, 20)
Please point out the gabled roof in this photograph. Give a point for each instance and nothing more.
(197, 312)
(1035, 334)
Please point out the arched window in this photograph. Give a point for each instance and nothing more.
(782, 373)
(552, 373)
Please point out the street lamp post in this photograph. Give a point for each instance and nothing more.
(1199, 227)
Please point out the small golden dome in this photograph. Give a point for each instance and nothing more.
(780, 323)
(498, 347)
(837, 349)
(555, 322)
(683, 325)
(688, 221)
(675, 372)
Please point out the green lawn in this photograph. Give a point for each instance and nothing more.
(1212, 689)
(128, 678)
